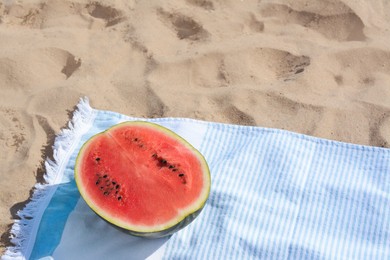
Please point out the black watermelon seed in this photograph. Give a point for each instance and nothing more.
(97, 159)
(117, 186)
(163, 161)
(113, 183)
(97, 182)
(101, 187)
(171, 166)
(119, 198)
(174, 169)
(181, 174)
(105, 176)
(106, 193)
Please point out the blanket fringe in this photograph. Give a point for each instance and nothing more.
(22, 229)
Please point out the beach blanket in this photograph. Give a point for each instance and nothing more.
(275, 195)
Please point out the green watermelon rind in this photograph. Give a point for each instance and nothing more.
(190, 213)
(166, 232)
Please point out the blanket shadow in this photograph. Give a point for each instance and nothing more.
(46, 153)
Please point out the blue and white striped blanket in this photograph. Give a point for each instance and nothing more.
(275, 195)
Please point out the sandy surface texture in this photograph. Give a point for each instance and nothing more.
(320, 68)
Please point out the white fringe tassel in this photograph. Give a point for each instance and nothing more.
(26, 226)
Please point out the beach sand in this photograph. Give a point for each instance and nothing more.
(320, 68)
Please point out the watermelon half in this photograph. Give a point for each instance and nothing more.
(143, 178)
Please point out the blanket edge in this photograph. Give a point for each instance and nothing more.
(24, 229)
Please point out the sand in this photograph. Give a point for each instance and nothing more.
(320, 68)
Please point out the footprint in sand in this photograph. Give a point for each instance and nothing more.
(110, 15)
(71, 65)
(345, 26)
(292, 66)
(185, 27)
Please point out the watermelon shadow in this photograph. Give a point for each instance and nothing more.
(88, 236)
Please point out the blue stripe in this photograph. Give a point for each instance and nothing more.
(221, 195)
(243, 189)
(375, 203)
(249, 201)
(278, 169)
(374, 223)
(221, 199)
(358, 214)
(301, 172)
(314, 209)
(327, 169)
(341, 200)
(294, 241)
(383, 185)
(248, 235)
(292, 185)
(219, 152)
(54, 219)
(386, 211)
(333, 170)
(273, 175)
(279, 195)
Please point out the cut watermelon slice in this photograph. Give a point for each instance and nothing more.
(143, 178)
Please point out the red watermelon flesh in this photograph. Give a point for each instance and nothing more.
(143, 178)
